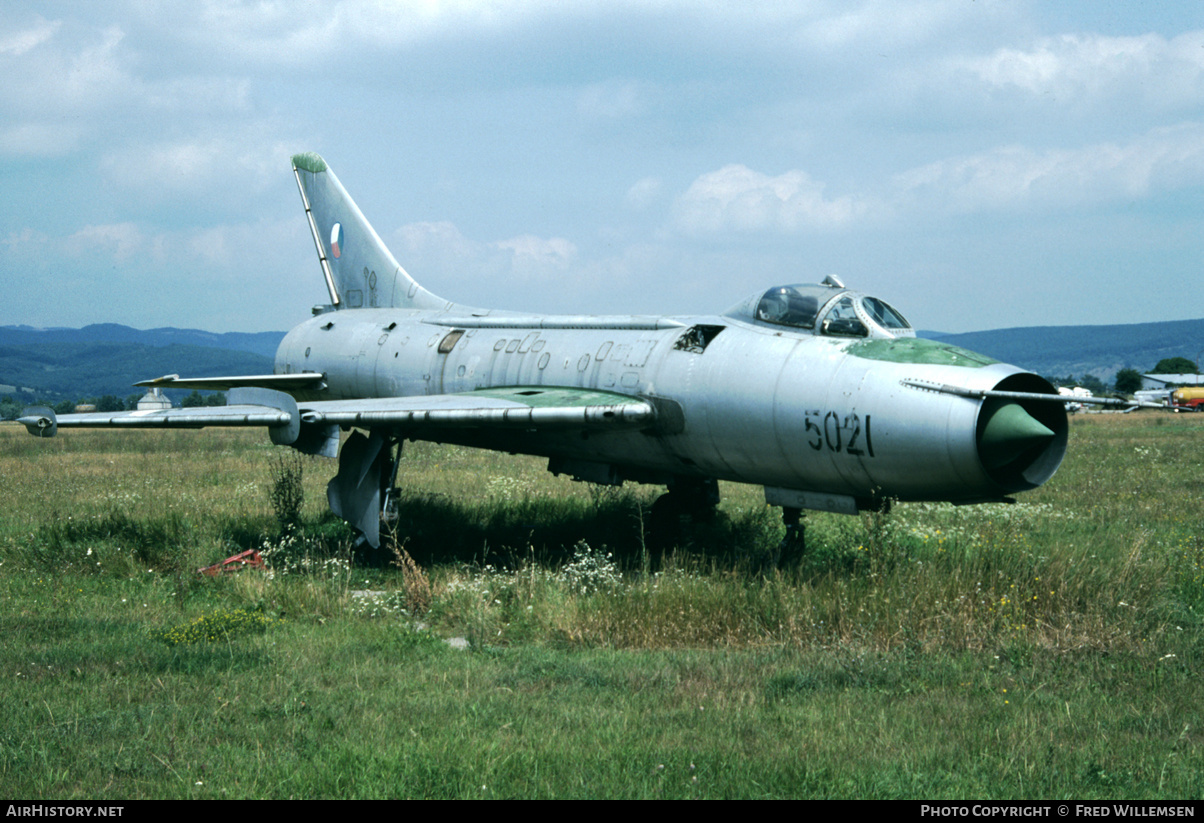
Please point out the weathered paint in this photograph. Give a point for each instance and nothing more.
(310, 162)
(918, 350)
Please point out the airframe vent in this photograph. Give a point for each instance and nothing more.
(697, 338)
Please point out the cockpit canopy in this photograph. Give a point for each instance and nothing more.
(826, 308)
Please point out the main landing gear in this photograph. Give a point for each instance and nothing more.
(362, 493)
(363, 488)
(690, 501)
(680, 516)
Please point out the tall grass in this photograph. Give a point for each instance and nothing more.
(1106, 557)
(1058, 639)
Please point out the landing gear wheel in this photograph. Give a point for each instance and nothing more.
(794, 542)
(689, 501)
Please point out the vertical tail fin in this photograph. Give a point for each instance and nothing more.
(360, 270)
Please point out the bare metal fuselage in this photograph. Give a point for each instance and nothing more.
(772, 407)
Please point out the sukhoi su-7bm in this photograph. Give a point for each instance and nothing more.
(821, 394)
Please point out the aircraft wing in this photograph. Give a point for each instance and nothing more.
(526, 407)
(515, 407)
(245, 407)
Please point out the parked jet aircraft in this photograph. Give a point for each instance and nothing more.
(821, 394)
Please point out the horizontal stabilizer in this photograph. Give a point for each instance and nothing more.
(280, 382)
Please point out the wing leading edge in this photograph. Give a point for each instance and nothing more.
(519, 407)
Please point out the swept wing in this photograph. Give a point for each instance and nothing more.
(516, 407)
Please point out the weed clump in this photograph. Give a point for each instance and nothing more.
(221, 625)
(295, 553)
(287, 493)
(416, 585)
(590, 570)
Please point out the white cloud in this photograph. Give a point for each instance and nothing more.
(120, 242)
(23, 242)
(220, 167)
(298, 33)
(885, 23)
(70, 84)
(1018, 177)
(440, 249)
(17, 43)
(218, 245)
(610, 101)
(37, 139)
(434, 244)
(208, 253)
(420, 235)
(78, 76)
(643, 192)
(1149, 66)
(736, 198)
(57, 83)
(532, 256)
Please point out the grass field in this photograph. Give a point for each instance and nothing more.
(1050, 649)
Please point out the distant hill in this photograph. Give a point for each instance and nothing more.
(1098, 350)
(70, 364)
(67, 371)
(261, 343)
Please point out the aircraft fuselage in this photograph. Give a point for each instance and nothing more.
(824, 417)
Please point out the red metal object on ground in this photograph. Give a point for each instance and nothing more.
(239, 561)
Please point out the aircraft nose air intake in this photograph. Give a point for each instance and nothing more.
(1021, 442)
(1010, 431)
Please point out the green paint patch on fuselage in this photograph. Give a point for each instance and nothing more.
(918, 350)
(537, 397)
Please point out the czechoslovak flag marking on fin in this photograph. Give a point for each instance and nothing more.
(336, 240)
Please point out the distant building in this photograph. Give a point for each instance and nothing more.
(153, 399)
(83, 408)
(1166, 381)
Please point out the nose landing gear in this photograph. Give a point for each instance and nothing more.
(794, 543)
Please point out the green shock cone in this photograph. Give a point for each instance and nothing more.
(1009, 433)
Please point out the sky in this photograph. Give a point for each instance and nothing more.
(977, 164)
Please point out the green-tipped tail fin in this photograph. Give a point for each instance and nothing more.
(360, 270)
